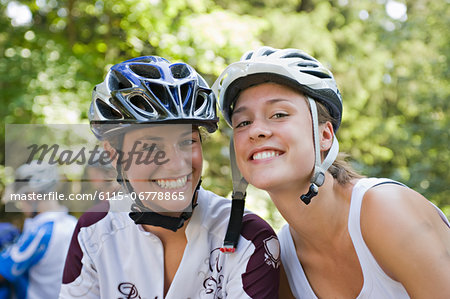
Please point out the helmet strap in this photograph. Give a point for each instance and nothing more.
(143, 215)
(320, 167)
(237, 205)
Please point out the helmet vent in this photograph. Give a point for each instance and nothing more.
(267, 52)
(180, 71)
(141, 103)
(249, 55)
(25, 179)
(299, 55)
(318, 74)
(146, 71)
(307, 64)
(145, 59)
(160, 92)
(107, 111)
(184, 92)
(118, 81)
(200, 101)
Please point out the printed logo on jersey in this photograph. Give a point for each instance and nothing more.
(26, 250)
(30, 249)
(272, 255)
(129, 290)
(213, 284)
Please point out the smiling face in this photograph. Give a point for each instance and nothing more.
(167, 160)
(273, 137)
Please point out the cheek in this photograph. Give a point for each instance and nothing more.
(239, 146)
(241, 152)
(197, 158)
(141, 172)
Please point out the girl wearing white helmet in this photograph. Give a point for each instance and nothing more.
(347, 236)
(148, 111)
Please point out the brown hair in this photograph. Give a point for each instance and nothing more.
(341, 170)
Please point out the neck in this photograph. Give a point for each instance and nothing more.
(320, 222)
(166, 235)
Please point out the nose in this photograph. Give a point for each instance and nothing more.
(259, 129)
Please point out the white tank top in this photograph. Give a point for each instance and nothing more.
(377, 284)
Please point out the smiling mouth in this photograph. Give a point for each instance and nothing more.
(172, 183)
(265, 155)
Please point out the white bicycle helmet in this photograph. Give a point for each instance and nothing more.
(36, 176)
(293, 68)
(290, 67)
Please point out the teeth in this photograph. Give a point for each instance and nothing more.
(265, 155)
(172, 184)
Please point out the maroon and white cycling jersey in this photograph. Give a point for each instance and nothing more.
(112, 257)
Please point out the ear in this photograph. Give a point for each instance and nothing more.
(326, 136)
(112, 152)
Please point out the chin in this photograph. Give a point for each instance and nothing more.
(172, 205)
(264, 184)
(165, 199)
(177, 206)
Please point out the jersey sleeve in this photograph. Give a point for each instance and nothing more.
(80, 278)
(17, 259)
(261, 254)
(85, 285)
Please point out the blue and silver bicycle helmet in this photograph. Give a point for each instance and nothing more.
(150, 90)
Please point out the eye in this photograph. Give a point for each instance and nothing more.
(150, 147)
(188, 142)
(242, 124)
(280, 115)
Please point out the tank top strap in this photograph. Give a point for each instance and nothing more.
(371, 270)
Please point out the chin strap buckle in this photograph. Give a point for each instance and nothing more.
(313, 190)
(235, 223)
(228, 249)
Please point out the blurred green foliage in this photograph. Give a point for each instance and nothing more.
(392, 70)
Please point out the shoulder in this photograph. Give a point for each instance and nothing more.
(94, 223)
(399, 225)
(395, 208)
(254, 227)
(93, 215)
(90, 219)
(259, 233)
(211, 200)
(259, 250)
(212, 210)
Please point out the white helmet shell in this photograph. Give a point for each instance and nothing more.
(291, 67)
(36, 176)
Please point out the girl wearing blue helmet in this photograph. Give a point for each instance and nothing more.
(161, 236)
(346, 236)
